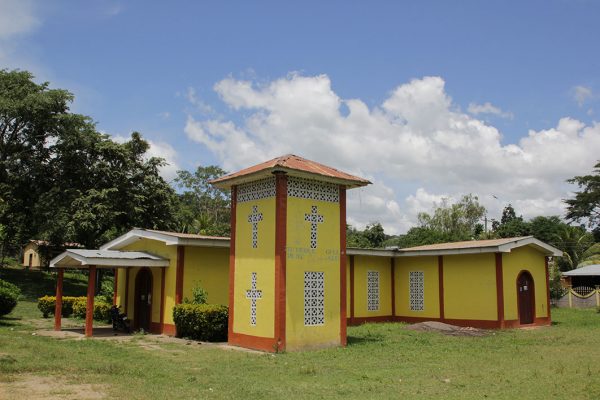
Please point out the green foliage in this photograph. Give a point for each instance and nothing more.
(372, 237)
(456, 221)
(8, 297)
(586, 204)
(101, 310)
(199, 296)
(63, 181)
(207, 322)
(203, 209)
(573, 241)
(10, 287)
(47, 305)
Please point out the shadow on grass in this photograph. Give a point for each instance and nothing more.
(361, 340)
(8, 321)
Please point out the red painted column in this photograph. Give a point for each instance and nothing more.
(116, 286)
(58, 304)
(441, 286)
(89, 311)
(179, 275)
(500, 290)
(343, 293)
(280, 258)
(547, 288)
(162, 299)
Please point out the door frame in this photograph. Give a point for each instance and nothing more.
(136, 308)
(524, 271)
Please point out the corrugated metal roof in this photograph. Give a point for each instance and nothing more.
(468, 244)
(188, 235)
(290, 163)
(588, 270)
(115, 254)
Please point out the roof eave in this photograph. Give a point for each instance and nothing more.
(226, 183)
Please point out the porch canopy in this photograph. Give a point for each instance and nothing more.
(91, 260)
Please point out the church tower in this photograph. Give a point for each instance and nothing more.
(287, 267)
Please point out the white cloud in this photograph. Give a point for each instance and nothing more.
(416, 146)
(581, 94)
(16, 18)
(488, 108)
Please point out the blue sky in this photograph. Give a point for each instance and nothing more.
(486, 97)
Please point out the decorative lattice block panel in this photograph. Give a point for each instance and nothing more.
(416, 286)
(257, 190)
(314, 218)
(373, 290)
(313, 190)
(314, 298)
(253, 294)
(254, 218)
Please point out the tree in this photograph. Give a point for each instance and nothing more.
(203, 208)
(510, 225)
(63, 181)
(574, 241)
(586, 204)
(455, 222)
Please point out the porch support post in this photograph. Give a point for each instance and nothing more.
(116, 286)
(58, 304)
(89, 311)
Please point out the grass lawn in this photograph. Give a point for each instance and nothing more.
(381, 361)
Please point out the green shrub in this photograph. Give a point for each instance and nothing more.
(199, 296)
(11, 288)
(201, 321)
(47, 304)
(8, 300)
(101, 310)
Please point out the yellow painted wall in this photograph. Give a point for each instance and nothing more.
(524, 258)
(260, 260)
(209, 268)
(35, 259)
(160, 249)
(470, 287)
(429, 266)
(362, 264)
(301, 258)
(348, 305)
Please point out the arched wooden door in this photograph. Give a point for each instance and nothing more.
(526, 298)
(143, 300)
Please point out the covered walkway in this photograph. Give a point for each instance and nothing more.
(91, 260)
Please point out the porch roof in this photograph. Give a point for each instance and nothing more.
(83, 259)
(588, 270)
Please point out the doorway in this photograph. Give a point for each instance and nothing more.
(526, 298)
(143, 300)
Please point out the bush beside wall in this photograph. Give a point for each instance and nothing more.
(46, 305)
(101, 310)
(207, 322)
(9, 296)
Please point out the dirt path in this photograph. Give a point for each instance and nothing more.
(32, 387)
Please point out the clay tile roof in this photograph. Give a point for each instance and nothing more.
(295, 166)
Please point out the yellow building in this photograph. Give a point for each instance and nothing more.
(291, 284)
(500, 283)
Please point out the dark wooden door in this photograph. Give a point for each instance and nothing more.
(526, 296)
(143, 300)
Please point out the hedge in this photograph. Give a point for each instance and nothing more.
(206, 322)
(47, 304)
(101, 310)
